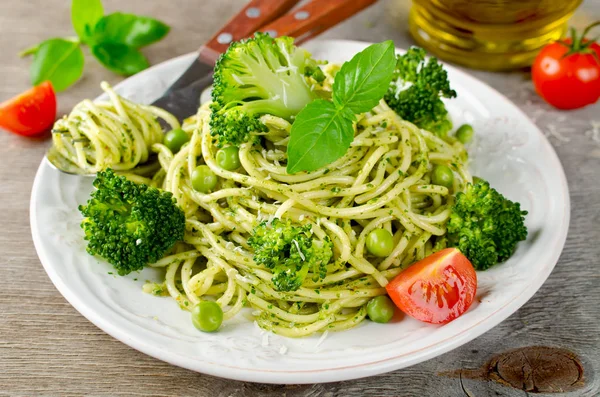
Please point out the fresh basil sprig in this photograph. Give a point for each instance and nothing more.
(114, 40)
(323, 131)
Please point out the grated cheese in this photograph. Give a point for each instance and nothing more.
(285, 98)
(322, 338)
(237, 79)
(299, 250)
(238, 249)
(245, 279)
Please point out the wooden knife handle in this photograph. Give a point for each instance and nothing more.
(256, 14)
(314, 18)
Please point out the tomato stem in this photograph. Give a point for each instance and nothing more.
(575, 43)
(587, 30)
(580, 45)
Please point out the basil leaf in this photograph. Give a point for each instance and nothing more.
(321, 134)
(132, 30)
(57, 60)
(84, 16)
(120, 58)
(362, 81)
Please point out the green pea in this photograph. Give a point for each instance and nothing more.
(207, 316)
(228, 158)
(380, 309)
(175, 139)
(380, 242)
(203, 179)
(442, 175)
(465, 133)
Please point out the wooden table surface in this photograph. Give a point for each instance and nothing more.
(48, 348)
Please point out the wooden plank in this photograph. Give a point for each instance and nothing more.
(47, 348)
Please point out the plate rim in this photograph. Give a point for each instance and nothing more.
(321, 375)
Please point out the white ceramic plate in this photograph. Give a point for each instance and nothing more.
(509, 151)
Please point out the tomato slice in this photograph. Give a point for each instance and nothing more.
(436, 289)
(31, 113)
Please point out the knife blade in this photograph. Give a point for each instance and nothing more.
(184, 101)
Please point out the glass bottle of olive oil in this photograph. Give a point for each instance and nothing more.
(489, 34)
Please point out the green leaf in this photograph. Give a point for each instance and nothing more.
(120, 58)
(320, 135)
(57, 60)
(132, 30)
(84, 16)
(322, 132)
(362, 81)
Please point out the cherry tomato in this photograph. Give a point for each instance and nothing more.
(436, 289)
(31, 113)
(566, 74)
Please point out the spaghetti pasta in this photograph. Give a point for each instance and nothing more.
(117, 134)
(383, 181)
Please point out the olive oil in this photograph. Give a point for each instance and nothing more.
(489, 34)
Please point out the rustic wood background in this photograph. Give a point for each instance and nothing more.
(47, 348)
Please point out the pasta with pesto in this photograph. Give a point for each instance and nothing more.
(116, 133)
(383, 181)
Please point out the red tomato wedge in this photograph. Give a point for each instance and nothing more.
(436, 289)
(31, 113)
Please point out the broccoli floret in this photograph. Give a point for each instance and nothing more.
(130, 224)
(261, 75)
(485, 226)
(290, 252)
(416, 90)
